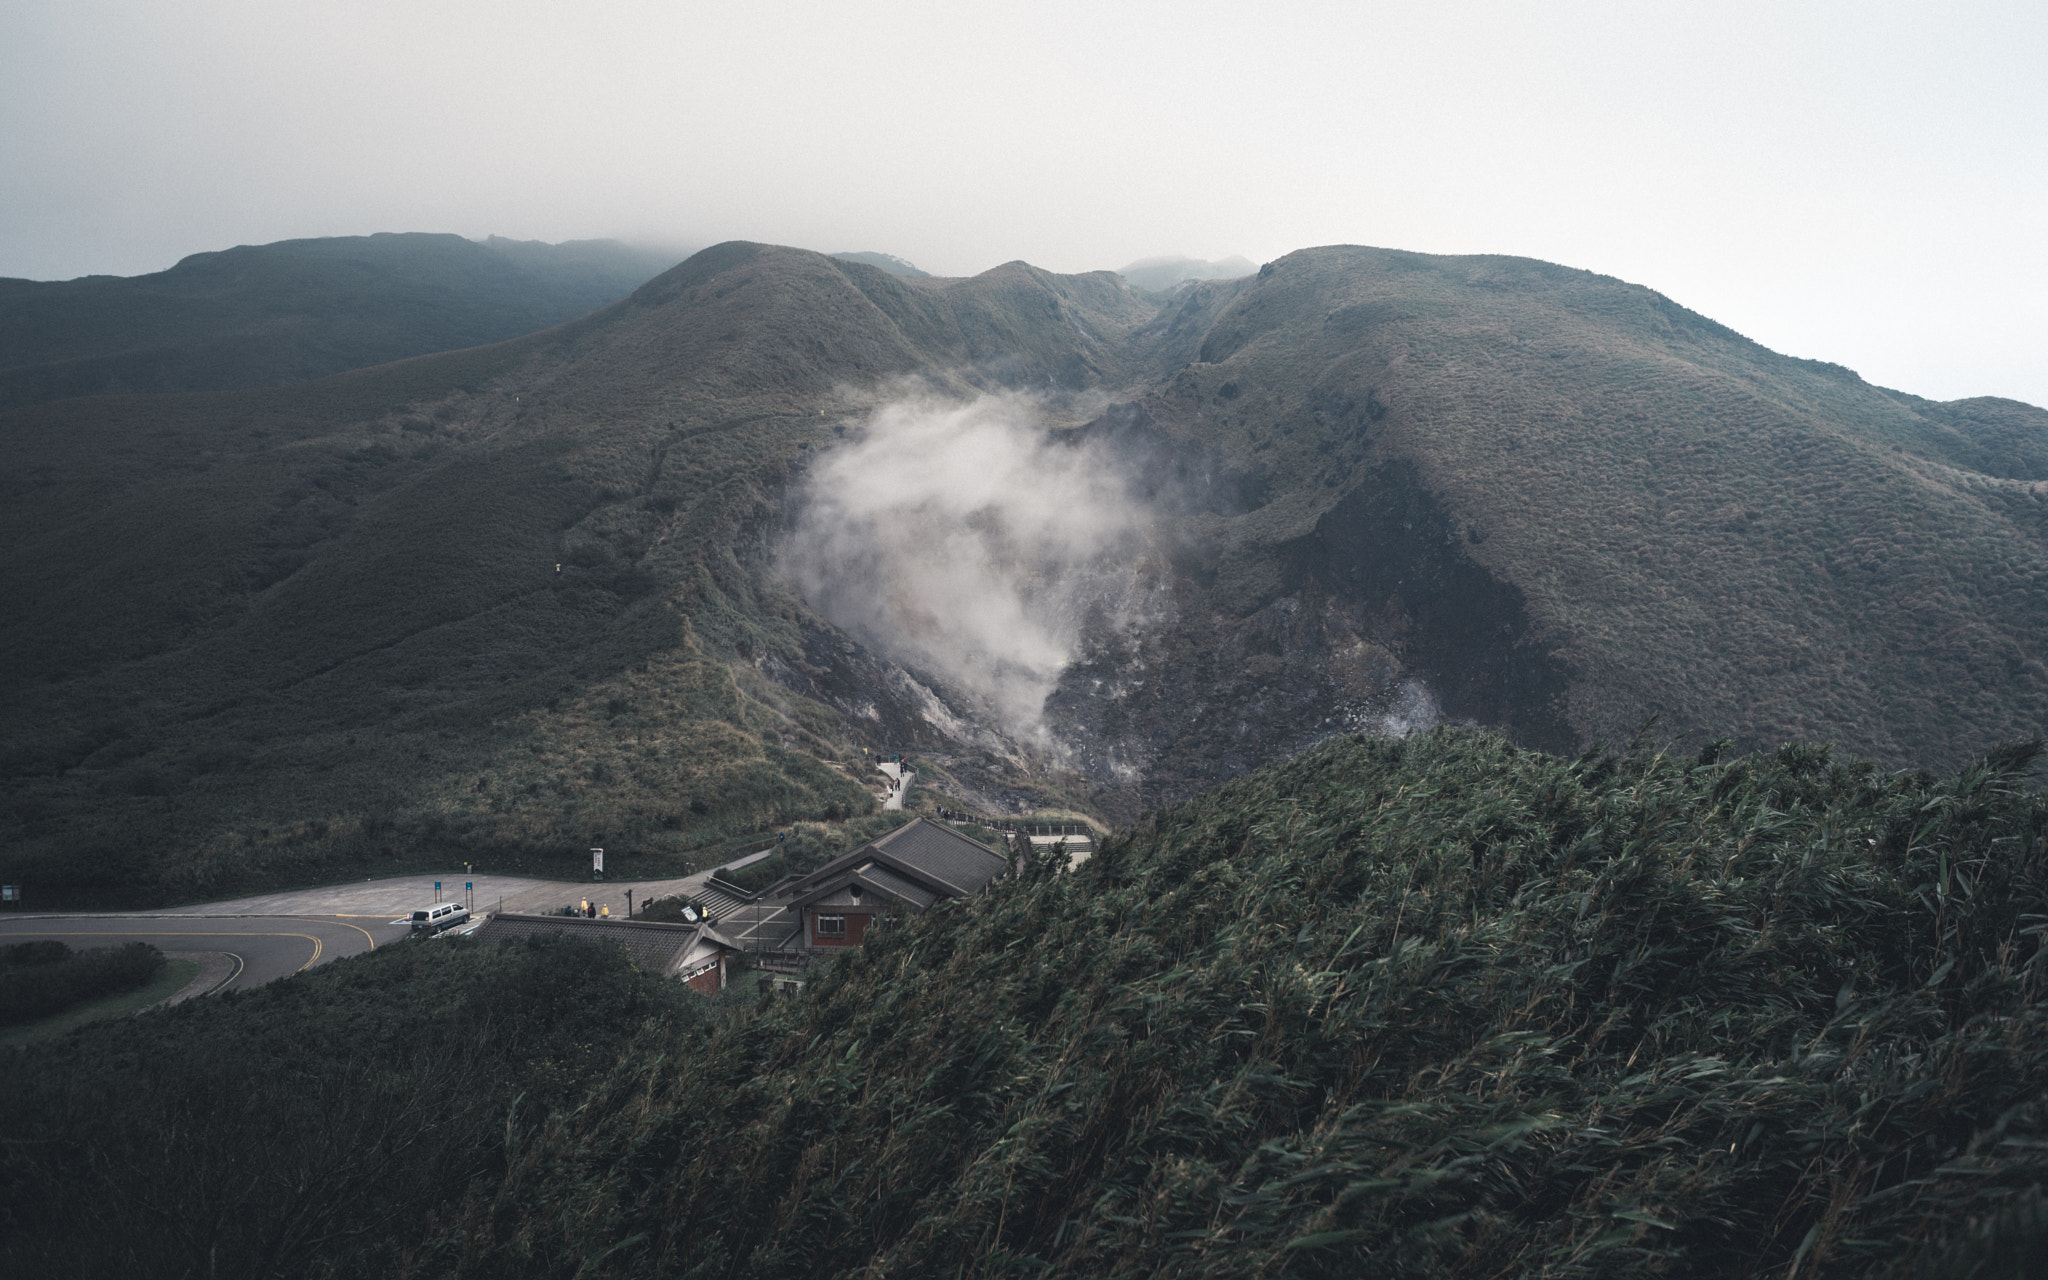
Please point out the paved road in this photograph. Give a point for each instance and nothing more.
(275, 935)
(267, 947)
(370, 900)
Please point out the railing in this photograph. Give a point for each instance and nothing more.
(777, 961)
(740, 891)
(1023, 827)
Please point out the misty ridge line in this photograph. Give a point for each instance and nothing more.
(963, 539)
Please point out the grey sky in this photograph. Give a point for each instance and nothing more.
(1861, 182)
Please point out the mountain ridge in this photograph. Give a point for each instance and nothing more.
(257, 315)
(359, 642)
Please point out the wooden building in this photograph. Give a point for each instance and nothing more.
(902, 873)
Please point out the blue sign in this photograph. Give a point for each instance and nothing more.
(469, 884)
(437, 888)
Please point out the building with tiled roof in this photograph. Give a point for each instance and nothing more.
(903, 872)
(694, 954)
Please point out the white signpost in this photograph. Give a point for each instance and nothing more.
(597, 864)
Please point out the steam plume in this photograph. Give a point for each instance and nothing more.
(964, 542)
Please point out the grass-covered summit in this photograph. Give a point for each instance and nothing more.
(259, 315)
(1441, 1007)
(501, 604)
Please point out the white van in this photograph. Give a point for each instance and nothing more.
(429, 921)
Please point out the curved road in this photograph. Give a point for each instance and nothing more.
(275, 935)
(269, 947)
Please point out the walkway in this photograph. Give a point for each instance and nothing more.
(900, 782)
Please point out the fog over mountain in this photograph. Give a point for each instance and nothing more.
(888, 262)
(962, 540)
(1164, 273)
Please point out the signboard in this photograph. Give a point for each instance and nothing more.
(597, 860)
(8, 893)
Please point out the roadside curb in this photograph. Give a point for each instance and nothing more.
(216, 970)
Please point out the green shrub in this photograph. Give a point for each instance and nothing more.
(313, 1127)
(38, 979)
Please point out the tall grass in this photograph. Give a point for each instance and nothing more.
(1436, 1007)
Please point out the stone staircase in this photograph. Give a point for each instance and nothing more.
(718, 903)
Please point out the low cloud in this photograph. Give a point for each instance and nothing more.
(967, 543)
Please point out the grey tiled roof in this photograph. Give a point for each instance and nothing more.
(657, 947)
(835, 895)
(910, 891)
(943, 854)
(870, 885)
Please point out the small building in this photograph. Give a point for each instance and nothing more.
(693, 954)
(1079, 848)
(904, 872)
(833, 907)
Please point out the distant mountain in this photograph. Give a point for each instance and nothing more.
(508, 600)
(259, 315)
(888, 262)
(1157, 275)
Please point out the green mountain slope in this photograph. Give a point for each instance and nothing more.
(1563, 504)
(258, 315)
(267, 634)
(271, 634)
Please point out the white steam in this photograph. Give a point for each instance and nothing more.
(963, 541)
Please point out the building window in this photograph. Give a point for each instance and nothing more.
(831, 926)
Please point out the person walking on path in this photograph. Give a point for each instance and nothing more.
(899, 784)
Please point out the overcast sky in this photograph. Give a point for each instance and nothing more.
(1860, 182)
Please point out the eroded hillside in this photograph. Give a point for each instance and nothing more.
(508, 602)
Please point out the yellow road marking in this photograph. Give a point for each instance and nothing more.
(345, 919)
(182, 933)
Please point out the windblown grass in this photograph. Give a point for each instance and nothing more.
(1436, 1007)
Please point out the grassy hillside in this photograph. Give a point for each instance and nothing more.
(258, 315)
(1431, 1008)
(268, 635)
(313, 1127)
(1564, 504)
(1441, 1007)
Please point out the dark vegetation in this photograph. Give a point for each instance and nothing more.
(1434, 1007)
(358, 652)
(258, 315)
(38, 979)
(264, 637)
(1675, 522)
(320, 1126)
